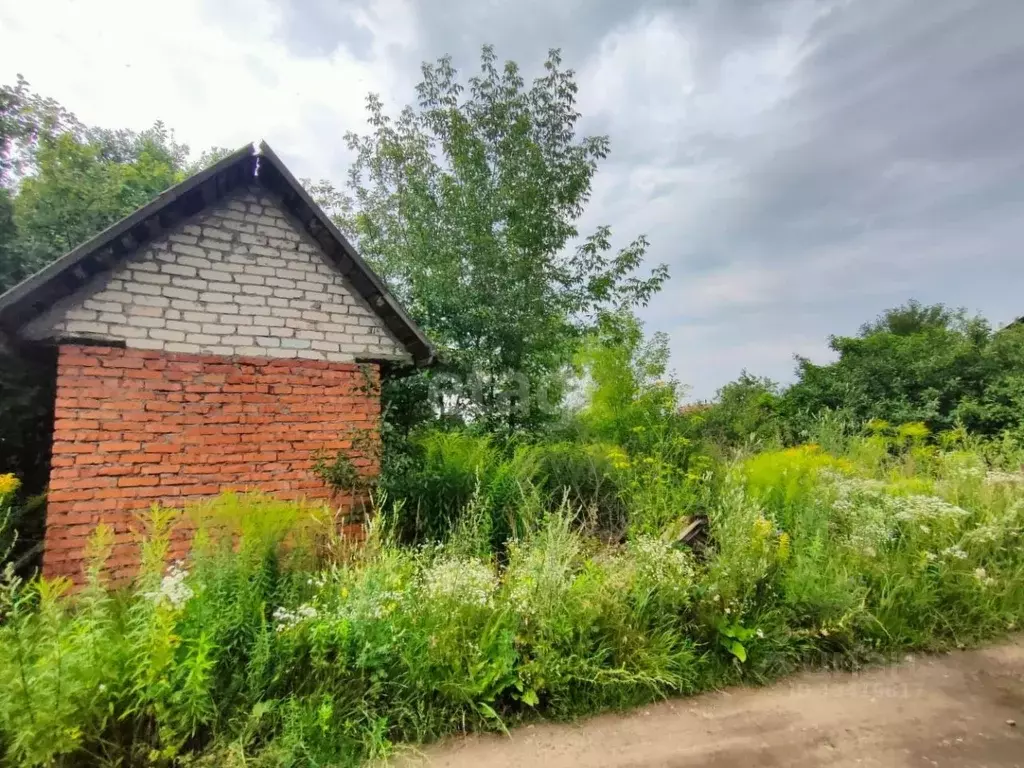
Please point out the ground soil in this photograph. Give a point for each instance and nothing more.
(951, 710)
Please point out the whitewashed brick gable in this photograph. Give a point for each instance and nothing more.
(238, 279)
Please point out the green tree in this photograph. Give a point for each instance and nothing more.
(745, 409)
(25, 118)
(61, 182)
(1000, 406)
(468, 205)
(629, 389)
(81, 187)
(913, 363)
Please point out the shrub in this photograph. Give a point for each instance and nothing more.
(744, 411)
(452, 468)
(588, 477)
(457, 470)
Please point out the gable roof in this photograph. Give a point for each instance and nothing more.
(75, 269)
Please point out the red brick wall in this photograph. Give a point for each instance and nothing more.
(134, 427)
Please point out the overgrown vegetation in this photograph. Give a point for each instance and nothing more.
(277, 645)
(467, 202)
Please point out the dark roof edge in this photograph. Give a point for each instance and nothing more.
(423, 351)
(69, 260)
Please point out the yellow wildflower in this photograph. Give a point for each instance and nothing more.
(783, 547)
(914, 430)
(8, 485)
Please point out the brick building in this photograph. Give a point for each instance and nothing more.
(217, 338)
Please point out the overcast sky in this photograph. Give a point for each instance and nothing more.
(800, 165)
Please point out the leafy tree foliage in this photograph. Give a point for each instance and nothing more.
(468, 204)
(82, 185)
(999, 407)
(746, 409)
(629, 389)
(25, 119)
(913, 363)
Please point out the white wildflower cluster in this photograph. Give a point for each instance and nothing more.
(863, 511)
(851, 494)
(955, 553)
(381, 604)
(521, 595)
(962, 467)
(460, 580)
(1004, 529)
(918, 507)
(1004, 478)
(868, 514)
(370, 603)
(846, 487)
(537, 581)
(173, 589)
(983, 578)
(286, 619)
(658, 564)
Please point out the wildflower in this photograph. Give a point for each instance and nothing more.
(173, 589)
(982, 576)
(316, 581)
(760, 634)
(8, 485)
(917, 507)
(955, 552)
(783, 552)
(287, 619)
(661, 566)
(460, 580)
(997, 478)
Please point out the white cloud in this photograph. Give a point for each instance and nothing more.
(216, 79)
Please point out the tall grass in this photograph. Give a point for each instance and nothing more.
(272, 646)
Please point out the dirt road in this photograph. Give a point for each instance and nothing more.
(943, 711)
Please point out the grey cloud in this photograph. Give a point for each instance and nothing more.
(523, 30)
(816, 162)
(319, 27)
(893, 169)
(308, 28)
